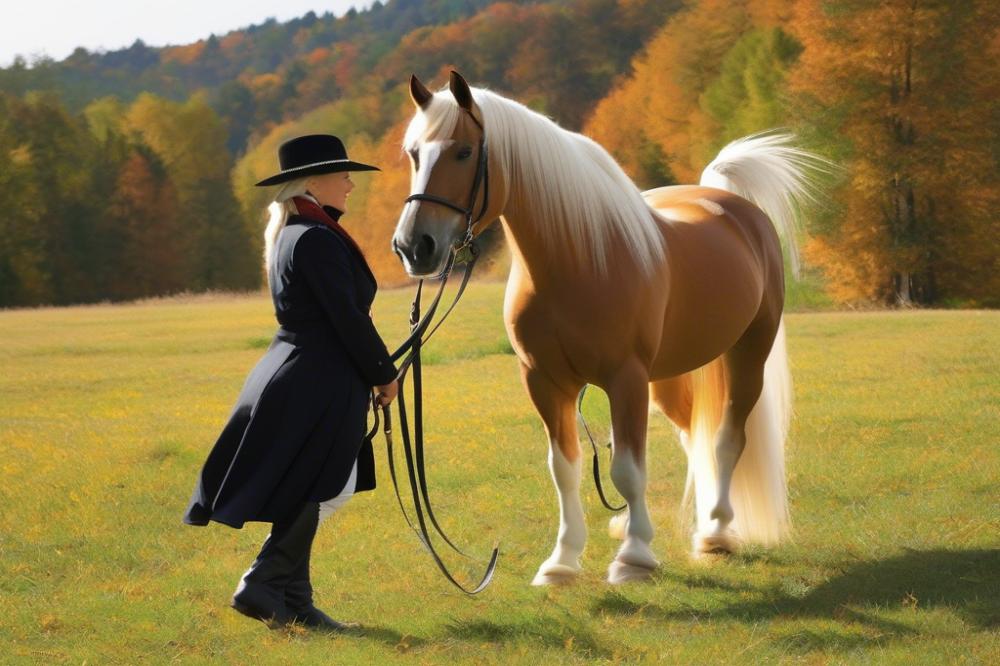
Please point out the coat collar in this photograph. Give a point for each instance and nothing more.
(311, 209)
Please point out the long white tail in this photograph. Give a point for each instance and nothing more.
(759, 493)
(771, 172)
(778, 177)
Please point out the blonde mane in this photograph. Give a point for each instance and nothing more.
(581, 197)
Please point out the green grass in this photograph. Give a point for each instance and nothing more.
(107, 412)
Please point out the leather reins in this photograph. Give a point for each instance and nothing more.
(593, 444)
(465, 253)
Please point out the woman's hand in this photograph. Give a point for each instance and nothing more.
(387, 392)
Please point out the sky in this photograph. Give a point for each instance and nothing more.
(55, 28)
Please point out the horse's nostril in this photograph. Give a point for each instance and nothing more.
(425, 248)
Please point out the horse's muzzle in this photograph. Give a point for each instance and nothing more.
(422, 256)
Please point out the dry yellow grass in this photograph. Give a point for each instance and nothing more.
(107, 412)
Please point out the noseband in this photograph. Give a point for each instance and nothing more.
(482, 179)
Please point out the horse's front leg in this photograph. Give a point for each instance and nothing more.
(555, 406)
(629, 398)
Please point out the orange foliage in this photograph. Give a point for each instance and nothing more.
(385, 203)
(659, 103)
(184, 55)
(914, 92)
(232, 41)
(316, 56)
(346, 55)
(264, 82)
(145, 206)
(422, 50)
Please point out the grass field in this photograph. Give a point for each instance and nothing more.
(107, 412)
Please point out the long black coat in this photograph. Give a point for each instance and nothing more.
(298, 424)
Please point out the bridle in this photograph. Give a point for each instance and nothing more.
(481, 179)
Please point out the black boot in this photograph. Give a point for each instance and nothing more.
(299, 601)
(261, 592)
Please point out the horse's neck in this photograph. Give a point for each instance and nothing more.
(556, 267)
(538, 263)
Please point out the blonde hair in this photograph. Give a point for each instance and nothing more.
(278, 211)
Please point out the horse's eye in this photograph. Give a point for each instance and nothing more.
(464, 153)
(415, 155)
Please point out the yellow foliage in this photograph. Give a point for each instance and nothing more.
(659, 102)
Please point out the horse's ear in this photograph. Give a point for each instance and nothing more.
(419, 93)
(460, 90)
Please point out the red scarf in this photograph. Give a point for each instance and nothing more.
(312, 210)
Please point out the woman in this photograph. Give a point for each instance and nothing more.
(291, 452)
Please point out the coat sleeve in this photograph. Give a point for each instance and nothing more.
(324, 262)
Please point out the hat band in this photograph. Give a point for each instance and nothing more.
(306, 166)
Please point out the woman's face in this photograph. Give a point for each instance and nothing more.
(331, 189)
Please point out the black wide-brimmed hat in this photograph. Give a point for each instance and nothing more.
(312, 154)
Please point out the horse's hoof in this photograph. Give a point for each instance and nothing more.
(621, 572)
(618, 525)
(714, 543)
(634, 561)
(555, 574)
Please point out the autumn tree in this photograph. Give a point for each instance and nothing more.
(25, 275)
(708, 72)
(144, 208)
(71, 175)
(190, 140)
(905, 91)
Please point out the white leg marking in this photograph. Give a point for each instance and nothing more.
(564, 563)
(618, 525)
(714, 535)
(635, 559)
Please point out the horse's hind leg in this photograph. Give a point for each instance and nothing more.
(745, 370)
(556, 407)
(629, 398)
(674, 398)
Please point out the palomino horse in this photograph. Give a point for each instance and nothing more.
(673, 295)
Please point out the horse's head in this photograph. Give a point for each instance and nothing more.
(450, 198)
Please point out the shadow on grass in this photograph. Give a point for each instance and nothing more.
(542, 631)
(392, 638)
(385, 635)
(967, 582)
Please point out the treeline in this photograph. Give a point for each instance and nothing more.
(245, 93)
(901, 93)
(112, 192)
(117, 202)
(255, 77)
